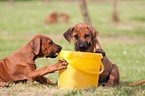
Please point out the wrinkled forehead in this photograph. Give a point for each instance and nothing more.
(46, 39)
(81, 30)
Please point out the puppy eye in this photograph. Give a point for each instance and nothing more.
(76, 36)
(86, 35)
(45, 48)
(50, 43)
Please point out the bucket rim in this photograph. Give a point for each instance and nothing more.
(80, 54)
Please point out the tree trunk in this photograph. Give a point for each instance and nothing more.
(115, 14)
(46, 1)
(11, 1)
(69, 0)
(84, 12)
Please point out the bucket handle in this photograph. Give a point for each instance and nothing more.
(102, 68)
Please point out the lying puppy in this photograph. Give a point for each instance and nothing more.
(52, 18)
(85, 40)
(64, 18)
(57, 18)
(21, 65)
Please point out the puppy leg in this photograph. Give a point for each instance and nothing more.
(44, 80)
(33, 75)
(4, 84)
(100, 51)
(113, 76)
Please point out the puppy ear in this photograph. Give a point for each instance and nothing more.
(35, 45)
(94, 33)
(68, 34)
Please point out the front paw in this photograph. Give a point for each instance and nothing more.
(62, 64)
(100, 51)
(3, 84)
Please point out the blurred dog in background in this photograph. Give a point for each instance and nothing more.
(55, 17)
(52, 18)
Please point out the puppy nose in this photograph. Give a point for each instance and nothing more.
(82, 46)
(59, 47)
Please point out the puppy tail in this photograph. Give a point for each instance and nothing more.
(137, 83)
(133, 84)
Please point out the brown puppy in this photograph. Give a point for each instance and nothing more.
(52, 18)
(21, 65)
(64, 18)
(85, 39)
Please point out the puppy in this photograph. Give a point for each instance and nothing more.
(85, 39)
(57, 18)
(52, 18)
(64, 18)
(20, 65)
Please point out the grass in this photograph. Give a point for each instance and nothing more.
(123, 42)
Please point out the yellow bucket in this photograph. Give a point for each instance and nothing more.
(82, 71)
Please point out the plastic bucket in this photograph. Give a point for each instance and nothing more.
(82, 71)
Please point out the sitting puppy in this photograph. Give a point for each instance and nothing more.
(85, 39)
(21, 66)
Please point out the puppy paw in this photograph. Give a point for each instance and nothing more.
(62, 64)
(103, 84)
(3, 84)
(100, 51)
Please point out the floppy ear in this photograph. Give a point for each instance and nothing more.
(94, 33)
(68, 34)
(35, 45)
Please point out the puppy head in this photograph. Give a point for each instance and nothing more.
(43, 46)
(82, 36)
(54, 14)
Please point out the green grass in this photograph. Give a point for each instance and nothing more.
(124, 42)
